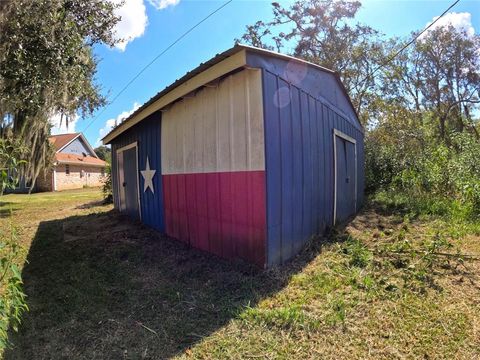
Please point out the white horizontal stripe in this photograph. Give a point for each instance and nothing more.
(218, 129)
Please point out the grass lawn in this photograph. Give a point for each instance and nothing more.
(102, 287)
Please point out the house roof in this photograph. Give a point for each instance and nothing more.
(74, 159)
(227, 61)
(61, 140)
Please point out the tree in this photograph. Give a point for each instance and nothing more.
(425, 141)
(321, 31)
(104, 153)
(47, 67)
(440, 75)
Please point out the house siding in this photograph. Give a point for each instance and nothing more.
(300, 165)
(92, 177)
(322, 85)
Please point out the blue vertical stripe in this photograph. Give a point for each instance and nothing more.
(147, 135)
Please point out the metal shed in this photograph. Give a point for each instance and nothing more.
(247, 156)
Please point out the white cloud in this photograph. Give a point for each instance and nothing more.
(111, 123)
(162, 4)
(133, 21)
(460, 21)
(60, 125)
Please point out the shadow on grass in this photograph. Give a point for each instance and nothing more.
(390, 208)
(5, 213)
(102, 287)
(6, 209)
(91, 204)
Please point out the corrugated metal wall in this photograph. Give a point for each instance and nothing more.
(247, 163)
(214, 168)
(322, 85)
(147, 134)
(299, 165)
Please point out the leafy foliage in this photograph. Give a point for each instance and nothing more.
(10, 153)
(12, 298)
(424, 139)
(322, 32)
(104, 153)
(439, 76)
(107, 185)
(421, 167)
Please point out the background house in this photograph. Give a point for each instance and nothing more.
(249, 155)
(76, 165)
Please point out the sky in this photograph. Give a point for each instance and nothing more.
(150, 26)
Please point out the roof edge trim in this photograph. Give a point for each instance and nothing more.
(68, 143)
(222, 64)
(58, 162)
(181, 88)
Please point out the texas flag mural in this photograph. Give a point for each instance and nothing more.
(247, 156)
(213, 168)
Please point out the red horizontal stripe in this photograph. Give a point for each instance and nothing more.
(223, 213)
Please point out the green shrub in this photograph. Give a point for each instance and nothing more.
(360, 256)
(9, 164)
(427, 176)
(107, 185)
(12, 298)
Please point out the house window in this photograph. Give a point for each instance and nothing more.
(82, 173)
(102, 171)
(67, 169)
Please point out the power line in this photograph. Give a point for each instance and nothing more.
(220, 8)
(155, 59)
(411, 41)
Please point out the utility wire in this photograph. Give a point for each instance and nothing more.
(220, 8)
(410, 42)
(155, 59)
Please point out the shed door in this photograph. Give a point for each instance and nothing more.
(128, 181)
(345, 177)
